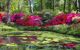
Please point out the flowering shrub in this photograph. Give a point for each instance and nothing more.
(0, 17)
(70, 16)
(33, 21)
(30, 21)
(20, 22)
(59, 19)
(16, 16)
(63, 19)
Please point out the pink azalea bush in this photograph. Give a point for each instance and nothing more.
(15, 39)
(69, 17)
(2, 41)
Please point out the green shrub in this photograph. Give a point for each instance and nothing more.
(59, 28)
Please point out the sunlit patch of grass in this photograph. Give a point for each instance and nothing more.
(4, 27)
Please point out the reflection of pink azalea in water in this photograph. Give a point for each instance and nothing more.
(70, 45)
(15, 39)
(20, 40)
(32, 38)
(16, 16)
(2, 41)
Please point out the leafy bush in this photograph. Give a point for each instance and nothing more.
(75, 30)
(58, 28)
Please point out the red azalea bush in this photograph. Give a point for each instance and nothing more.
(63, 19)
(20, 22)
(59, 19)
(1, 16)
(30, 21)
(33, 21)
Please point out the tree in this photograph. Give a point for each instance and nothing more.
(31, 4)
(8, 11)
(2, 5)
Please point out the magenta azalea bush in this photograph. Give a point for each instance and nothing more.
(17, 16)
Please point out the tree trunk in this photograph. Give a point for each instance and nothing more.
(76, 5)
(79, 4)
(64, 6)
(53, 4)
(43, 4)
(69, 6)
(41, 8)
(8, 11)
(31, 4)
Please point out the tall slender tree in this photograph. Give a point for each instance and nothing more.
(31, 4)
(43, 4)
(41, 7)
(69, 6)
(8, 11)
(64, 6)
(53, 4)
(2, 5)
(79, 4)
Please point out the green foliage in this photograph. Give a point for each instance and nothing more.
(55, 6)
(59, 28)
(75, 30)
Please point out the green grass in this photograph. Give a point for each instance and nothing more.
(4, 27)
